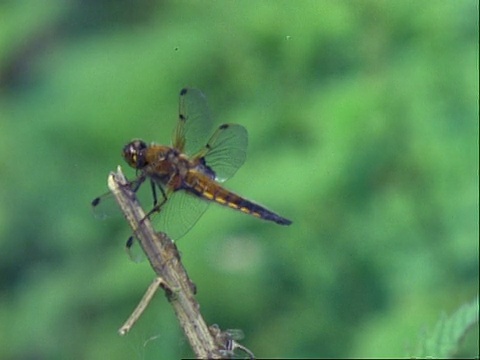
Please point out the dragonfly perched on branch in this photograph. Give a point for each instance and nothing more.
(188, 174)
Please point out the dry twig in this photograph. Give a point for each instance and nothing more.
(171, 275)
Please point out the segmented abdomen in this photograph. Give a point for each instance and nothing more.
(202, 186)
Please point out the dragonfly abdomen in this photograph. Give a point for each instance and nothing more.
(211, 191)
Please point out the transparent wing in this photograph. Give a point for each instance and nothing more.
(194, 121)
(104, 206)
(226, 150)
(234, 334)
(179, 214)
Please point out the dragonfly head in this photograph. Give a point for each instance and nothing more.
(134, 154)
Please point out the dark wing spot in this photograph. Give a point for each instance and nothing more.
(224, 126)
(183, 118)
(183, 91)
(129, 243)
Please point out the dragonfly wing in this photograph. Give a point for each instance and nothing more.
(179, 214)
(194, 121)
(104, 206)
(226, 150)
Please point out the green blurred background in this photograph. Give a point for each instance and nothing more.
(363, 129)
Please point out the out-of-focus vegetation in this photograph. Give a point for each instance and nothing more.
(363, 123)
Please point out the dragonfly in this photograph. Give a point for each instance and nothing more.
(189, 173)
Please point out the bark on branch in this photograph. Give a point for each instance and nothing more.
(171, 276)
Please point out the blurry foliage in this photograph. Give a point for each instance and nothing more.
(363, 123)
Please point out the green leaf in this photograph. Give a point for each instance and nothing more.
(445, 340)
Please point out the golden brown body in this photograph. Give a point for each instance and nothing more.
(174, 172)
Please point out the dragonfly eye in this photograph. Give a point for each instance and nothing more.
(134, 154)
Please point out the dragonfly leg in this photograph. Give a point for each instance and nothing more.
(135, 184)
(154, 193)
(156, 206)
